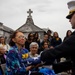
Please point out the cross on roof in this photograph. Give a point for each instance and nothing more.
(29, 12)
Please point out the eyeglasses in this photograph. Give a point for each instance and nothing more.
(21, 37)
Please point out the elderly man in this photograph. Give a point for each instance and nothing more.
(67, 48)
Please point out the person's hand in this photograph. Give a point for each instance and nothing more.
(38, 65)
(28, 68)
(51, 47)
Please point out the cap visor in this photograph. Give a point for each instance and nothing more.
(69, 16)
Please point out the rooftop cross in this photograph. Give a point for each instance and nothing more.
(29, 13)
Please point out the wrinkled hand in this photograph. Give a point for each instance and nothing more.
(51, 47)
(28, 68)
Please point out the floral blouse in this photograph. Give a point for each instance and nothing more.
(15, 62)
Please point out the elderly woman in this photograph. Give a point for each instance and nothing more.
(17, 55)
(33, 50)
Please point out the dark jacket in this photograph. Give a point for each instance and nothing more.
(66, 49)
(55, 42)
(2, 61)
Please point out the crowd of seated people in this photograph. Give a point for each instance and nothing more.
(15, 54)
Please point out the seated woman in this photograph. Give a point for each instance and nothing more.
(15, 63)
(33, 50)
(4, 43)
(33, 53)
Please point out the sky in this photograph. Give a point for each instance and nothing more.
(46, 14)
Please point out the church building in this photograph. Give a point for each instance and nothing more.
(30, 27)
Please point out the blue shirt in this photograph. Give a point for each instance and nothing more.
(15, 61)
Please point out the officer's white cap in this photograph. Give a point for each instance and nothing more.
(71, 6)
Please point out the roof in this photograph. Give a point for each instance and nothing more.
(5, 28)
(29, 26)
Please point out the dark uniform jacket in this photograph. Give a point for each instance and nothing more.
(66, 49)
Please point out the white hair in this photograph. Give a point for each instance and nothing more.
(34, 43)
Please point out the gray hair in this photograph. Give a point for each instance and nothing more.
(34, 43)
